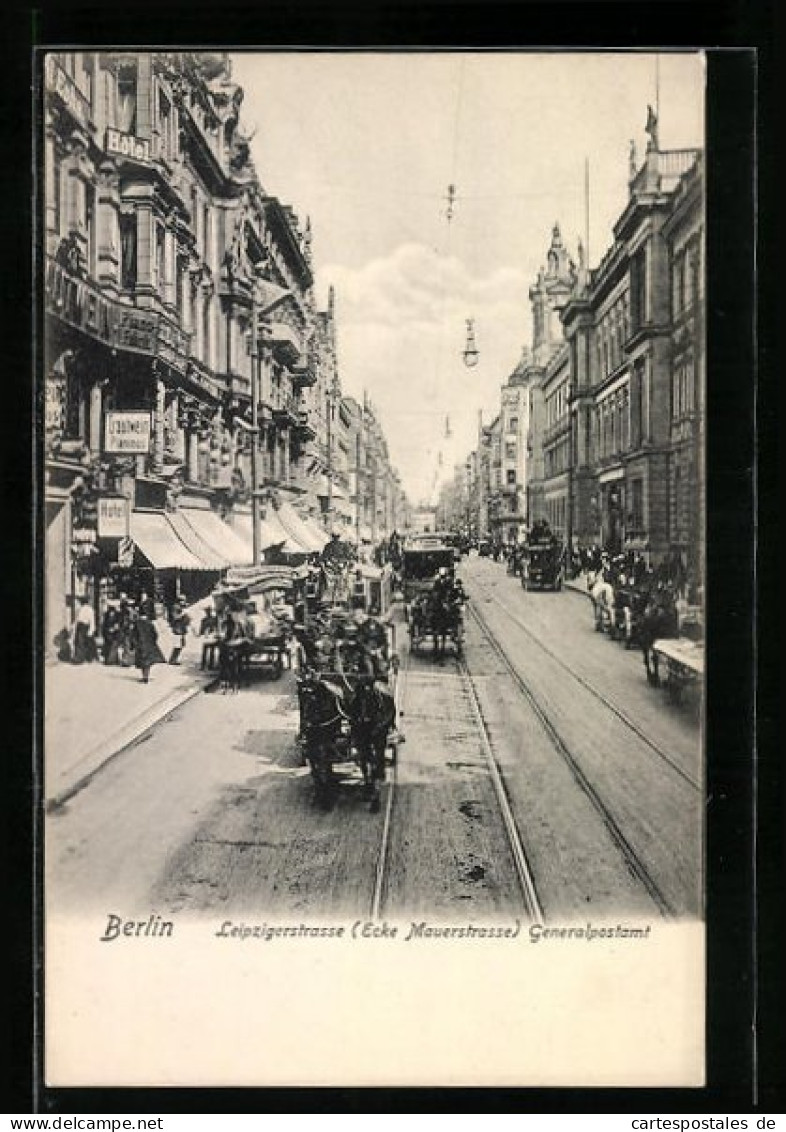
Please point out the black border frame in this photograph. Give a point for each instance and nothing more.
(745, 842)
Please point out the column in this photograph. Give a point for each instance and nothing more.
(192, 455)
(96, 415)
(51, 183)
(158, 427)
(170, 267)
(108, 227)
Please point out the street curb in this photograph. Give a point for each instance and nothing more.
(122, 741)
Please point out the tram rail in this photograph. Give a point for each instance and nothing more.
(528, 891)
(621, 715)
(632, 859)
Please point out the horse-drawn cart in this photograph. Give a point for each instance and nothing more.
(255, 610)
(684, 660)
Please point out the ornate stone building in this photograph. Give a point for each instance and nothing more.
(168, 273)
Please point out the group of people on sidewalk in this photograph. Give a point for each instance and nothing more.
(131, 634)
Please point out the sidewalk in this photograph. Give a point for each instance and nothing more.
(93, 712)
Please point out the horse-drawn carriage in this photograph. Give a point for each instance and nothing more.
(346, 694)
(255, 611)
(542, 564)
(432, 600)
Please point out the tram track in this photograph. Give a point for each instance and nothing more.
(631, 857)
(622, 716)
(528, 892)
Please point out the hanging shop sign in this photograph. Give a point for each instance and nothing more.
(79, 303)
(55, 400)
(128, 432)
(127, 145)
(113, 517)
(136, 329)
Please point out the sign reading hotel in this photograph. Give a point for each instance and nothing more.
(113, 517)
(128, 433)
(127, 145)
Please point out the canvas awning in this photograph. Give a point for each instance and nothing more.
(157, 540)
(218, 535)
(209, 555)
(297, 527)
(271, 533)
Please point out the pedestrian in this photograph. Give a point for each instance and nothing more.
(208, 628)
(179, 622)
(110, 633)
(84, 650)
(146, 650)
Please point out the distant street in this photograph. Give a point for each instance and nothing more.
(214, 812)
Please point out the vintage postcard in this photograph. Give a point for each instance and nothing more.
(373, 477)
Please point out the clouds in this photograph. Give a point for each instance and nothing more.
(401, 327)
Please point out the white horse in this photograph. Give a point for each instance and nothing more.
(602, 597)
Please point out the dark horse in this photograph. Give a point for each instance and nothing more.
(372, 714)
(342, 721)
(658, 620)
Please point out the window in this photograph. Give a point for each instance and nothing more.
(510, 450)
(160, 257)
(638, 289)
(127, 98)
(179, 289)
(128, 267)
(510, 477)
(637, 407)
(57, 190)
(513, 424)
(206, 332)
(164, 123)
(89, 223)
(637, 504)
(206, 233)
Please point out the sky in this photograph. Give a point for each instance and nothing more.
(366, 145)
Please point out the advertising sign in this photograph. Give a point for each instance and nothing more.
(128, 432)
(113, 516)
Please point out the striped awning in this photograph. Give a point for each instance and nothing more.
(218, 535)
(209, 555)
(271, 533)
(157, 540)
(310, 540)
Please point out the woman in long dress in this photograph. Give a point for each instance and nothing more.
(146, 650)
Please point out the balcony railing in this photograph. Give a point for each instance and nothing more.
(304, 374)
(286, 342)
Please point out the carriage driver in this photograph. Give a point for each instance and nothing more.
(354, 657)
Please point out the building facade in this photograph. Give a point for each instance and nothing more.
(173, 283)
(630, 444)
